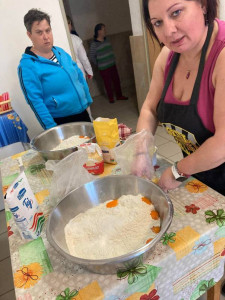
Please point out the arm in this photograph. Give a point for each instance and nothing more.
(212, 152)
(83, 82)
(32, 90)
(81, 53)
(142, 165)
(92, 53)
(148, 117)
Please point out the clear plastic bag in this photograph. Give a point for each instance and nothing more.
(135, 155)
(68, 175)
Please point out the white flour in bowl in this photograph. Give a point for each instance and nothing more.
(105, 232)
(72, 141)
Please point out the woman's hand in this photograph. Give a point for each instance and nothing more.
(142, 166)
(167, 180)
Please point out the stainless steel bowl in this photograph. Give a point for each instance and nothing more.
(51, 138)
(94, 193)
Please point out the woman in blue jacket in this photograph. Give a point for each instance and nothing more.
(52, 84)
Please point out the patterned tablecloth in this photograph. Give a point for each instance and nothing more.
(188, 260)
(12, 129)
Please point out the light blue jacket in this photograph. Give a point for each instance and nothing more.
(53, 90)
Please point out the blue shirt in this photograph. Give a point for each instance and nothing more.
(53, 89)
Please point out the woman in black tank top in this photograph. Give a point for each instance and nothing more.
(188, 29)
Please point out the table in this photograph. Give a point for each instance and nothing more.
(12, 129)
(188, 262)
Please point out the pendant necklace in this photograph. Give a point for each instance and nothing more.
(188, 74)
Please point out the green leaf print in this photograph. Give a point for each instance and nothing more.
(168, 238)
(132, 273)
(141, 278)
(218, 217)
(132, 277)
(209, 213)
(34, 169)
(122, 274)
(202, 287)
(8, 215)
(67, 292)
(211, 283)
(74, 293)
(67, 295)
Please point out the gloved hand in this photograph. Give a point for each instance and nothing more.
(135, 155)
(142, 165)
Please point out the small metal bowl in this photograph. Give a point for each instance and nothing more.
(51, 138)
(94, 193)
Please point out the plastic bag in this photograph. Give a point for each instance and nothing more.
(24, 207)
(68, 175)
(95, 163)
(135, 155)
(107, 136)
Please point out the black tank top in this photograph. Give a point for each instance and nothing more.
(185, 125)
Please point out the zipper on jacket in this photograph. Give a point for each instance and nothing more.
(56, 103)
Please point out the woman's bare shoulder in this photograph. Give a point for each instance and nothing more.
(161, 60)
(219, 69)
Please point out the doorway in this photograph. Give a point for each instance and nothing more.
(116, 16)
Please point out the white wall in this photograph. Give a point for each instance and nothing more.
(115, 14)
(13, 43)
(136, 17)
(222, 9)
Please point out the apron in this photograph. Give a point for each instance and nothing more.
(185, 125)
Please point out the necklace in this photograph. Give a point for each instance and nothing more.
(188, 74)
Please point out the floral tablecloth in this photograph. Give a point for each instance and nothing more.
(12, 129)
(188, 260)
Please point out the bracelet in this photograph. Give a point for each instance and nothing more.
(181, 173)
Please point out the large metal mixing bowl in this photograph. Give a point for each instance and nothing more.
(51, 138)
(94, 193)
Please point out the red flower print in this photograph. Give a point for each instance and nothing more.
(9, 231)
(223, 252)
(151, 296)
(192, 208)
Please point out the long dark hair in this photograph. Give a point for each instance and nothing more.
(97, 28)
(69, 21)
(211, 8)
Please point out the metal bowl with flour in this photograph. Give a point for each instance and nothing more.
(99, 191)
(45, 142)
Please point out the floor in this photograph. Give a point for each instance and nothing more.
(126, 112)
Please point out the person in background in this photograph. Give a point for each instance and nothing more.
(81, 56)
(187, 89)
(71, 26)
(51, 81)
(101, 54)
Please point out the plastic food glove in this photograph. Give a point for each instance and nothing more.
(142, 165)
(134, 156)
